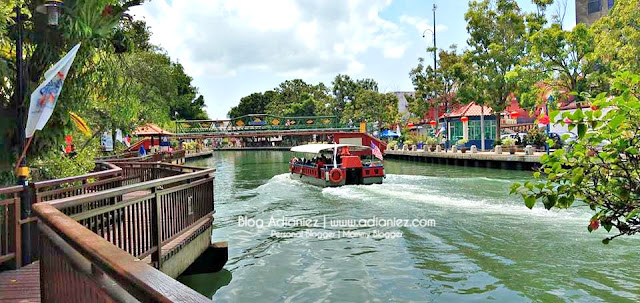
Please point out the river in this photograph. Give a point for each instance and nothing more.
(471, 240)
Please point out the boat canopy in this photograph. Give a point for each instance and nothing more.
(318, 148)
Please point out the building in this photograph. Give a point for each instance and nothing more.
(588, 11)
(403, 104)
(471, 130)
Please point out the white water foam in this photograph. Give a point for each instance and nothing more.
(393, 192)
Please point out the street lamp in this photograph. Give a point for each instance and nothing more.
(51, 8)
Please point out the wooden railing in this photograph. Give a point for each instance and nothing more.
(130, 222)
(10, 242)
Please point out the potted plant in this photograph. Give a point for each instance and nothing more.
(408, 143)
(461, 143)
(432, 142)
(393, 144)
(509, 143)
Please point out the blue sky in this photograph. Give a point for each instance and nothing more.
(233, 48)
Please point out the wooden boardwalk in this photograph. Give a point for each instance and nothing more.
(22, 285)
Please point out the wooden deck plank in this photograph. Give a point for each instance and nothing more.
(21, 285)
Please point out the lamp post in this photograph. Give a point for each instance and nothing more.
(52, 9)
(435, 61)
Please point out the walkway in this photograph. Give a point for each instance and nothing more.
(22, 285)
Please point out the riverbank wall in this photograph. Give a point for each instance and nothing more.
(518, 161)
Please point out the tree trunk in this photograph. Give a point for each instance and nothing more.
(498, 126)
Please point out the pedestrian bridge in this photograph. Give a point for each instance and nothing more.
(262, 125)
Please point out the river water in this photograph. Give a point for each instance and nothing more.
(471, 240)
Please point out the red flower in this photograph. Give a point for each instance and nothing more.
(593, 107)
(594, 224)
(567, 120)
(544, 120)
(107, 11)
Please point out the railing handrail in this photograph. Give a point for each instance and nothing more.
(11, 189)
(115, 262)
(113, 170)
(77, 200)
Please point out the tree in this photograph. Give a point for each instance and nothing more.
(602, 167)
(344, 91)
(617, 42)
(369, 105)
(444, 82)
(113, 82)
(255, 103)
(564, 61)
(496, 45)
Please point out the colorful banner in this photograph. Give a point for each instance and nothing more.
(44, 98)
(79, 122)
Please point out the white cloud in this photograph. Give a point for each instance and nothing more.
(421, 24)
(287, 37)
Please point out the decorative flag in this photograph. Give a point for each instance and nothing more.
(119, 136)
(376, 151)
(68, 140)
(44, 98)
(79, 122)
(127, 141)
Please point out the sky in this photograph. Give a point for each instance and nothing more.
(233, 48)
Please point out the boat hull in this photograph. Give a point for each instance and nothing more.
(325, 183)
(315, 181)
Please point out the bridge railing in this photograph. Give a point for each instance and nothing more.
(10, 232)
(261, 123)
(103, 241)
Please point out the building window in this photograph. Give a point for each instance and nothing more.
(610, 4)
(594, 6)
(456, 131)
(489, 129)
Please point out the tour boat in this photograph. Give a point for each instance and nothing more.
(335, 165)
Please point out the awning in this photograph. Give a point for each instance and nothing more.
(388, 133)
(318, 148)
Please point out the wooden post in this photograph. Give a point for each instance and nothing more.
(156, 236)
(17, 233)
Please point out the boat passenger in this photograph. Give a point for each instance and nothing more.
(320, 164)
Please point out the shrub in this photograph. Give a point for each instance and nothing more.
(602, 169)
(462, 141)
(508, 142)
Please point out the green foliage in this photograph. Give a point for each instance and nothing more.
(535, 137)
(348, 100)
(602, 169)
(617, 42)
(497, 41)
(392, 143)
(55, 164)
(508, 142)
(436, 86)
(113, 82)
(462, 142)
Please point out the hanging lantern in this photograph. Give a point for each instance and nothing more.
(433, 123)
(410, 125)
(544, 120)
(515, 114)
(464, 119)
